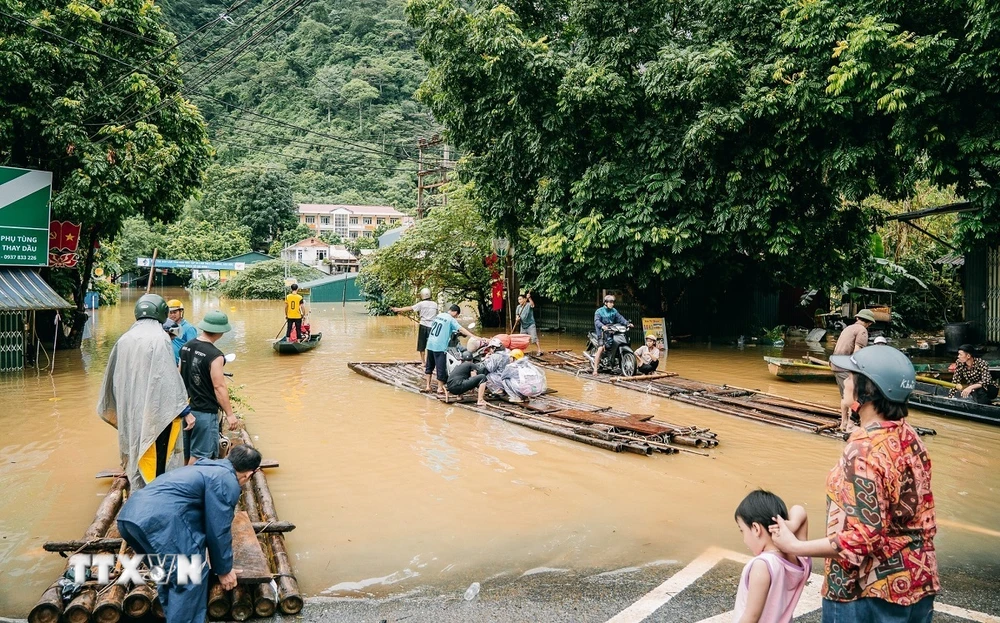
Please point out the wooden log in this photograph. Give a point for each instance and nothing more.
(242, 608)
(139, 601)
(82, 606)
(107, 511)
(248, 558)
(288, 589)
(218, 600)
(117, 473)
(265, 600)
(49, 607)
(157, 608)
(108, 608)
(112, 544)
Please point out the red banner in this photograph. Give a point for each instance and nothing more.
(496, 293)
(64, 236)
(62, 260)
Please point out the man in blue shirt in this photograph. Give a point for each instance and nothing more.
(183, 512)
(604, 317)
(442, 328)
(187, 330)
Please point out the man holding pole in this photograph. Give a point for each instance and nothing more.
(851, 340)
(294, 312)
(427, 310)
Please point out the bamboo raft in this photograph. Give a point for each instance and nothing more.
(601, 427)
(750, 404)
(265, 581)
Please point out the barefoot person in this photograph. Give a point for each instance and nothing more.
(442, 328)
(851, 340)
(881, 564)
(526, 319)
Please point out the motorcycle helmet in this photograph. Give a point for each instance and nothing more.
(173, 304)
(651, 336)
(495, 343)
(517, 353)
(474, 344)
(889, 369)
(151, 306)
(425, 293)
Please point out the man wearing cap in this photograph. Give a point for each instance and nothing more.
(648, 355)
(201, 368)
(187, 331)
(851, 340)
(143, 396)
(427, 310)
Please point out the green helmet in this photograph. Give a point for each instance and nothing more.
(151, 306)
(889, 369)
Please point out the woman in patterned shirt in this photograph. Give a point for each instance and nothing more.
(972, 376)
(879, 549)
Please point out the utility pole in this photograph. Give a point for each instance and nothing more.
(433, 172)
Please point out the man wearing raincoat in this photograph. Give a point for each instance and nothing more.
(143, 396)
(183, 513)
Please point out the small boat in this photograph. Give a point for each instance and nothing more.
(934, 399)
(285, 347)
(798, 369)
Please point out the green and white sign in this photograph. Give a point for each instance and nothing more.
(24, 217)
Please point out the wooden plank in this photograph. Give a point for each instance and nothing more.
(248, 558)
(115, 473)
(577, 415)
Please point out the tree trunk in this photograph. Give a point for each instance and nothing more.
(82, 279)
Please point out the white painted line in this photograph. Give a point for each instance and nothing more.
(656, 598)
(810, 601)
(962, 613)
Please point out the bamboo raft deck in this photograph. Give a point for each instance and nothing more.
(741, 402)
(601, 427)
(265, 586)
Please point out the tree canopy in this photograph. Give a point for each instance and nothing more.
(647, 143)
(91, 93)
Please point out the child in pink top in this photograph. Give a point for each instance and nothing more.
(772, 582)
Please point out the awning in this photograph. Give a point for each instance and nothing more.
(23, 288)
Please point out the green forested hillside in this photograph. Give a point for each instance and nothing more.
(344, 69)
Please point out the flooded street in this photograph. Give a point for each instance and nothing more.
(393, 491)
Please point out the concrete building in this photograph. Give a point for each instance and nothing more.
(348, 221)
(331, 259)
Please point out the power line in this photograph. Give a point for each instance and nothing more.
(325, 162)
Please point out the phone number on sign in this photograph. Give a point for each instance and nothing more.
(18, 257)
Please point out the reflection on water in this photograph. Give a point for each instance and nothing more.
(392, 491)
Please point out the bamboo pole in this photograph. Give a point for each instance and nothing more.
(108, 510)
(82, 606)
(109, 604)
(49, 607)
(242, 608)
(218, 600)
(152, 271)
(139, 601)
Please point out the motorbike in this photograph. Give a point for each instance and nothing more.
(458, 354)
(617, 358)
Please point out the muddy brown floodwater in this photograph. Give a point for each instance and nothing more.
(392, 491)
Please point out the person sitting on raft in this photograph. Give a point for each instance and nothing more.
(648, 355)
(522, 379)
(972, 379)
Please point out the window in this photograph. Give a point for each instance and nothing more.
(354, 220)
(379, 221)
(393, 221)
(321, 255)
(368, 234)
(354, 234)
(368, 220)
(298, 254)
(324, 220)
(310, 220)
(340, 225)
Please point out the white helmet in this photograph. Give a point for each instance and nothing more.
(425, 293)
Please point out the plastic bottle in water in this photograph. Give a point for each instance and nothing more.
(472, 591)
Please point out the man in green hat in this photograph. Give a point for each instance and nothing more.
(201, 368)
(851, 340)
(143, 396)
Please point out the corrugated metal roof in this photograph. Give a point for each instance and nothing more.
(21, 288)
(953, 260)
(330, 279)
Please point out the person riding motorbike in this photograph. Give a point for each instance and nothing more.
(603, 318)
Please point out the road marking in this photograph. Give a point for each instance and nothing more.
(810, 601)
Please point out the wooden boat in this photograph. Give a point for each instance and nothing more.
(601, 427)
(284, 347)
(934, 399)
(750, 404)
(798, 369)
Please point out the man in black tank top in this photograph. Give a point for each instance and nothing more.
(201, 369)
